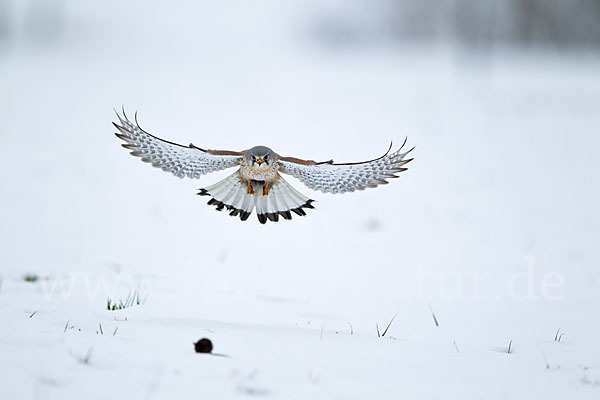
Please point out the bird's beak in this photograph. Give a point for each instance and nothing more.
(259, 160)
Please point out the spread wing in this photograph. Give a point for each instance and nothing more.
(182, 161)
(329, 177)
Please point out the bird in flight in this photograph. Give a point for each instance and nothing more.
(257, 183)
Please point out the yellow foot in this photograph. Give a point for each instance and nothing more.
(266, 189)
(250, 189)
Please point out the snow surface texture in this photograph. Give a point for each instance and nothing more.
(495, 225)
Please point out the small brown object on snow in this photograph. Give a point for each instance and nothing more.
(203, 346)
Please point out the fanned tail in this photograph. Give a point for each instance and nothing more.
(232, 194)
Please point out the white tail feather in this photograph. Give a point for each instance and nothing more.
(232, 193)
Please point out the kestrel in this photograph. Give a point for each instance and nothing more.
(257, 183)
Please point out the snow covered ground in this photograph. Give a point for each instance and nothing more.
(494, 227)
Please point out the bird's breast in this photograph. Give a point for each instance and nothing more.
(259, 173)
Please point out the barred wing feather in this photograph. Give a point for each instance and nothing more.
(329, 177)
(182, 161)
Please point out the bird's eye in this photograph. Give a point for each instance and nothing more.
(266, 156)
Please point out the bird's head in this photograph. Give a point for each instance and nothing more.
(260, 156)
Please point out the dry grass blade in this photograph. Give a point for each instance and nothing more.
(386, 328)
(433, 315)
(558, 336)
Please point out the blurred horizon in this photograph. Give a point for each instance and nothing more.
(471, 24)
